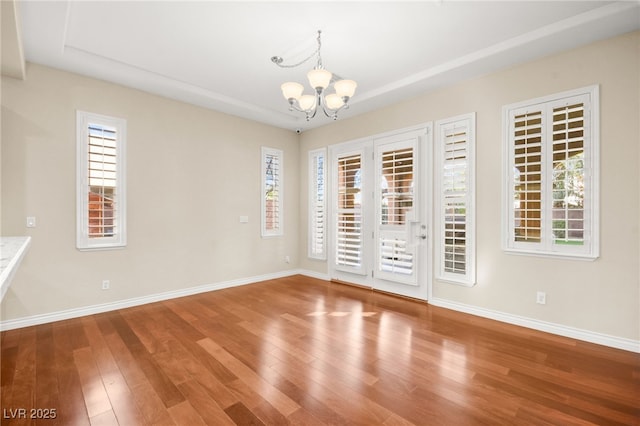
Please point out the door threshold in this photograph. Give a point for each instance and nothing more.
(388, 293)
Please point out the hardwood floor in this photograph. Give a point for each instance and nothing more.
(302, 351)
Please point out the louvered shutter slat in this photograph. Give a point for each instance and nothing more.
(568, 225)
(102, 179)
(396, 197)
(349, 220)
(317, 194)
(528, 176)
(454, 198)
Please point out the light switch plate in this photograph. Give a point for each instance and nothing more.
(31, 222)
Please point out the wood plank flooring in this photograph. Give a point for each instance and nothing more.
(306, 352)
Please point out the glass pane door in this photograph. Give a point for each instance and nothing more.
(396, 212)
(349, 243)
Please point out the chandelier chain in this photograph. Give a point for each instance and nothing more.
(278, 60)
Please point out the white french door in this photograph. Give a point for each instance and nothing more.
(379, 213)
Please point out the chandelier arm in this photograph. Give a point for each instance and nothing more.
(334, 115)
(294, 107)
(334, 112)
(325, 109)
(318, 104)
(309, 117)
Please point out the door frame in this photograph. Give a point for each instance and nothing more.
(424, 157)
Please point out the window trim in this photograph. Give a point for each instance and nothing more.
(314, 203)
(264, 232)
(469, 277)
(592, 178)
(83, 242)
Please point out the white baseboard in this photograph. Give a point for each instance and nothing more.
(137, 301)
(561, 330)
(314, 274)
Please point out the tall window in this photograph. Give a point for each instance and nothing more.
(349, 212)
(101, 212)
(552, 174)
(455, 199)
(317, 205)
(272, 160)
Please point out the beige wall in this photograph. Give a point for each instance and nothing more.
(191, 173)
(183, 208)
(602, 296)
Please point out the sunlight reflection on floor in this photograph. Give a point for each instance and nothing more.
(453, 362)
(340, 314)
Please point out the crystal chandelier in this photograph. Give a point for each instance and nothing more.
(319, 79)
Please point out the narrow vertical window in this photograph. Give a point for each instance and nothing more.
(349, 212)
(455, 188)
(552, 179)
(101, 212)
(272, 162)
(317, 205)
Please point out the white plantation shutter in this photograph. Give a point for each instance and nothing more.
(271, 217)
(455, 214)
(527, 183)
(317, 206)
(349, 213)
(395, 202)
(101, 200)
(568, 219)
(397, 190)
(102, 181)
(552, 174)
(394, 256)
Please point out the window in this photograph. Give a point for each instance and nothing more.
(271, 192)
(317, 205)
(349, 236)
(455, 199)
(101, 209)
(552, 175)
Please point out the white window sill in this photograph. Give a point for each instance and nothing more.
(552, 255)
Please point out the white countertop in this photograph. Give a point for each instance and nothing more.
(12, 250)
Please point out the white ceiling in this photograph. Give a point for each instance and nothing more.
(217, 54)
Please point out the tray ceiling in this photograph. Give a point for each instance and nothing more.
(217, 54)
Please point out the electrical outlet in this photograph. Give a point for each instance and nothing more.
(106, 284)
(541, 298)
(31, 222)
(287, 259)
